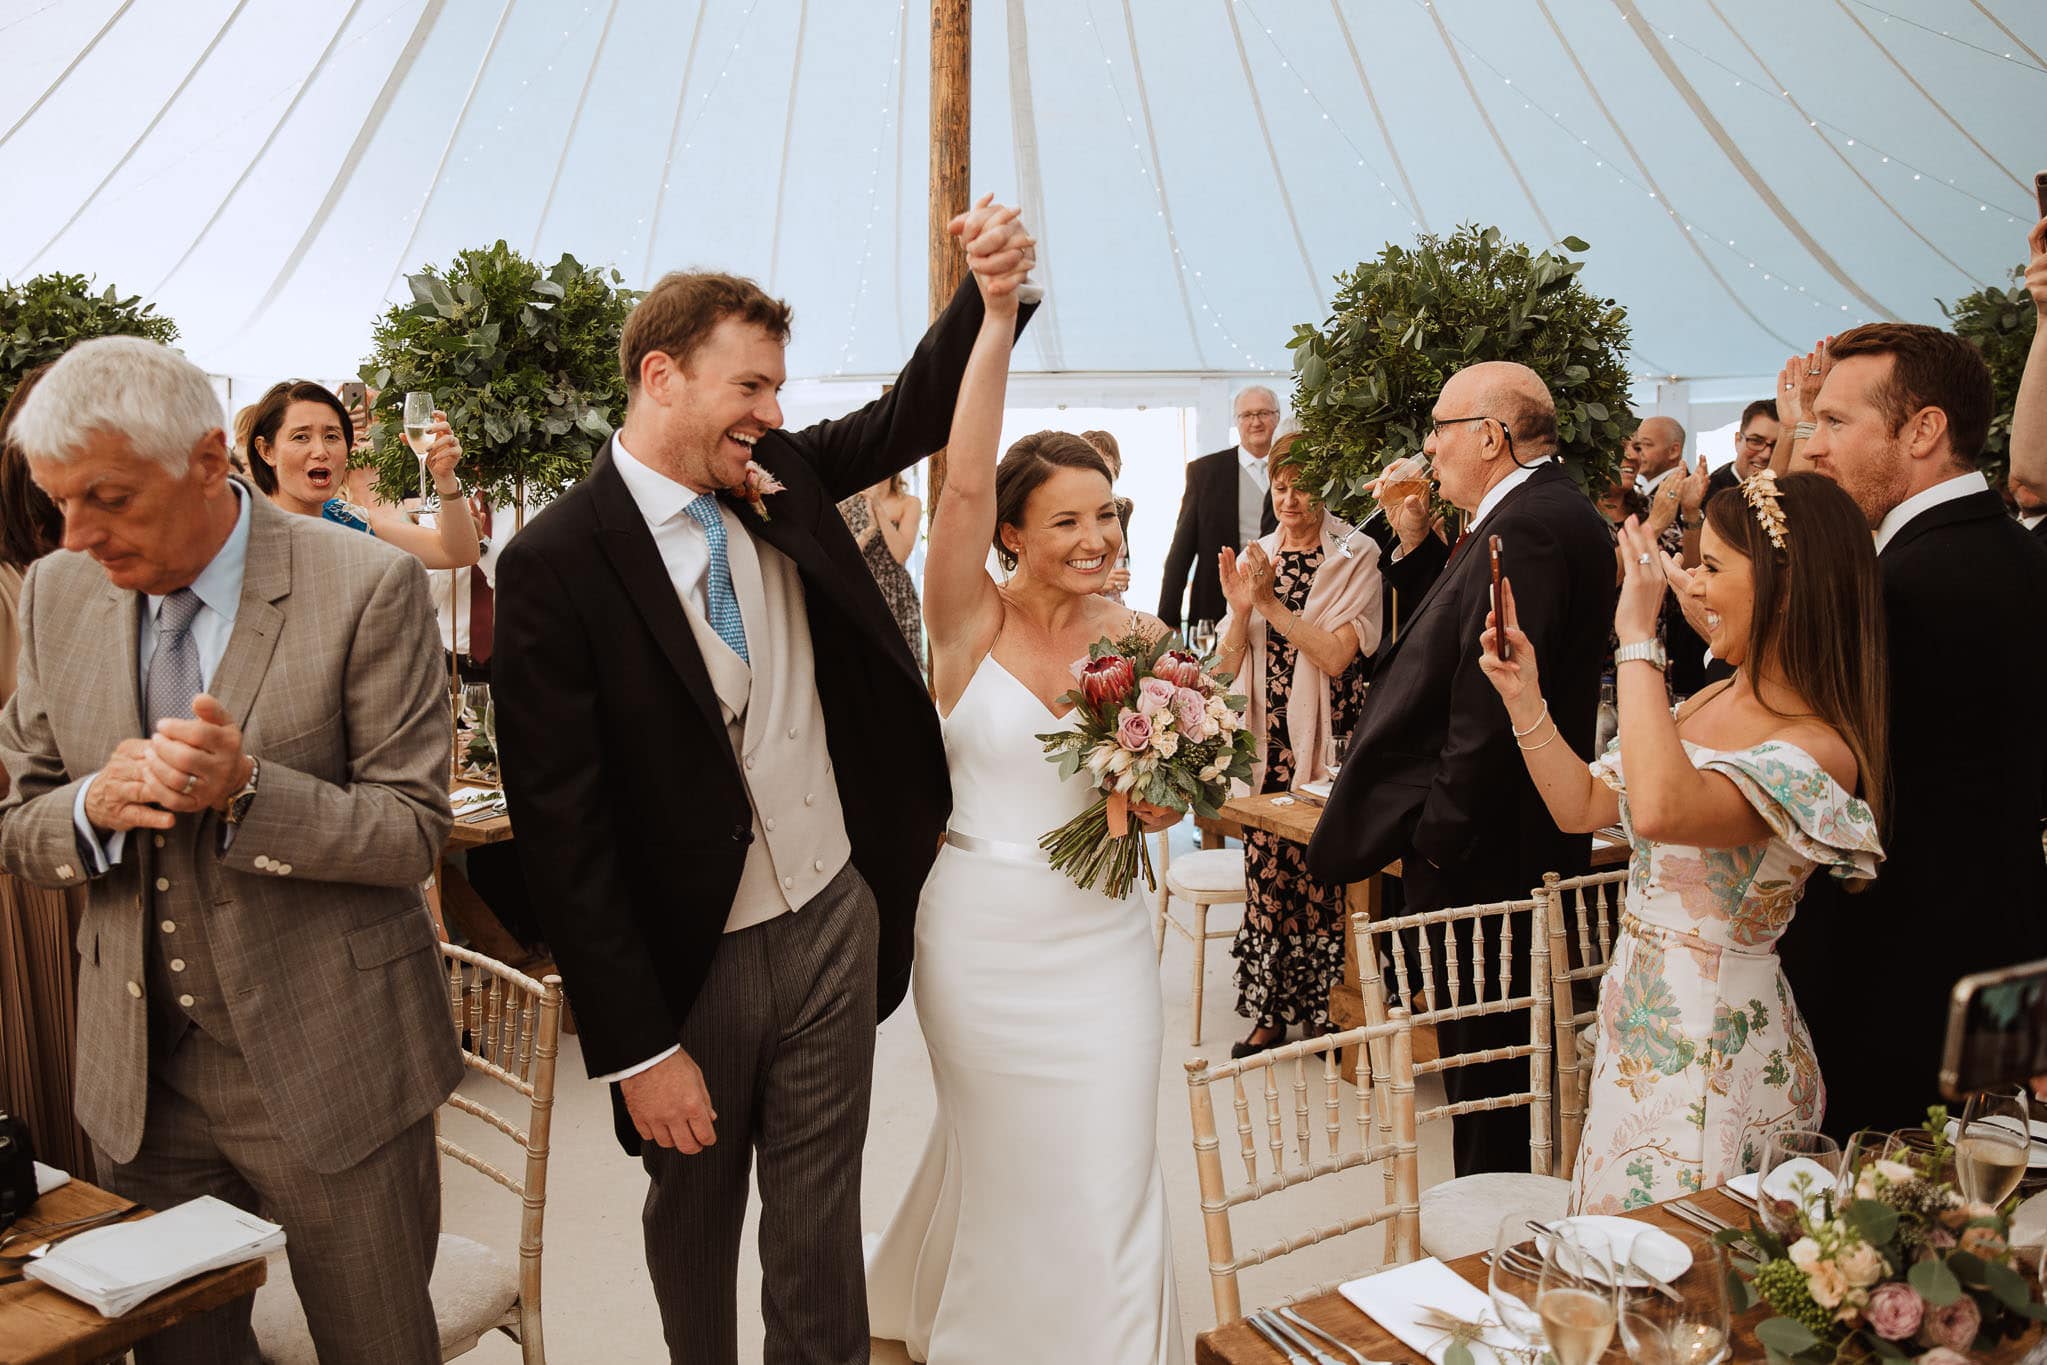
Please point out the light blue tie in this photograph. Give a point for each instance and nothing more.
(724, 613)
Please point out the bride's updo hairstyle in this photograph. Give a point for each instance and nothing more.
(1024, 469)
(1819, 609)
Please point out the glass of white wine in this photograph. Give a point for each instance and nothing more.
(1817, 1172)
(419, 419)
(1991, 1146)
(1684, 1329)
(1576, 1297)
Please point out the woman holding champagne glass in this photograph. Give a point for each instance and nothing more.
(1730, 804)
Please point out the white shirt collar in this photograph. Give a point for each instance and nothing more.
(1651, 485)
(219, 584)
(1925, 500)
(1499, 491)
(2031, 519)
(1253, 466)
(660, 498)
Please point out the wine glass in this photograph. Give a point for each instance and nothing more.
(476, 713)
(1515, 1278)
(1781, 1215)
(1865, 1147)
(1339, 748)
(1575, 1297)
(1991, 1146)
(1201, 635)
(419, 417)
(1684, 1329)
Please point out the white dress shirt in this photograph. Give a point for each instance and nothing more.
(219, 586)
(1254, 482)
(1925, 500)
(1497, 494)
(2031, 520)
(685, 549)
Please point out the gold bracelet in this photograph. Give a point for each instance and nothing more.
(1531, 748)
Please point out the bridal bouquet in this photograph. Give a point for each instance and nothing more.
(1900, 1267)
(1151, 724)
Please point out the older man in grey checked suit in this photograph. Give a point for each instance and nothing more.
(261, 1013)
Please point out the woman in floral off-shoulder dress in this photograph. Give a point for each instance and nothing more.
(1730, 804)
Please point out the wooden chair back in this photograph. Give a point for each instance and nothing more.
(1297, 1067)
(509, 1026)
(1476, 946)
(1583, 916)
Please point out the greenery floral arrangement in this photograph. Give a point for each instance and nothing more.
(44, 317)
(1365, 381)
(1151, 723)
(2001, 322)
(1907, 1269)
(523, 359)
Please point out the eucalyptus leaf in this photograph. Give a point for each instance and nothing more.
(1739, 1295)
(43, 317)
(1457, 1353)
(2008, 1285)
(1935, 1282)
(1786, 1335)
(2001, 322)
(1874, 1219)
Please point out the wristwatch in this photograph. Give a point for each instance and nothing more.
(1648, 651)
(238, 804)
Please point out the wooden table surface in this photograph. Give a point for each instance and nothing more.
(1295, 818)
(494, 829)
(38, 1324)
(1238, 1344)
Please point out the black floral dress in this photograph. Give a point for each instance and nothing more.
(1290, 949)
(898, 589)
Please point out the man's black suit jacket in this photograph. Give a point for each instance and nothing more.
(2039, 532)
(1433, 777)
(1208, 521)
(633, 817)
(1962, 887)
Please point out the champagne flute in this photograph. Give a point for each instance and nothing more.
(1202, 636)
(1866, 1146)
(419, 417)
(1684, 1329)
(1782, 1216)
(1515, 1278)
(1991, 1147)
(1575, 1303)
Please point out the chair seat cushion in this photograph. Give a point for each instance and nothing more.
(1209, 873)
(1461, 1216)
(473, 1288)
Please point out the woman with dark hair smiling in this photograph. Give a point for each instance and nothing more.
(298, 444)
(1731, 803)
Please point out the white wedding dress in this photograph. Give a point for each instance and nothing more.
(1035, 1229)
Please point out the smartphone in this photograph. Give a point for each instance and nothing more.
(353, 394)
(1499, 602)
(2040, 191)
(1996, 1031)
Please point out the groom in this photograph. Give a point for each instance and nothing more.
(729, 784)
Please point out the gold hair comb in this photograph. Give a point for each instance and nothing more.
(1760, 491)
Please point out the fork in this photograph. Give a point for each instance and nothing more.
(1297, 1320)
(1319, 1356)
(57, 1232)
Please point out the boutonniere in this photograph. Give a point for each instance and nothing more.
(756, 487)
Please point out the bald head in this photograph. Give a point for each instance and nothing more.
(1658, 444)
(1489, 419)
(1515, 395)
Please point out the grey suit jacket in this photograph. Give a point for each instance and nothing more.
(324, 950)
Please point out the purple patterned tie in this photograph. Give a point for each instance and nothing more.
(174, 666)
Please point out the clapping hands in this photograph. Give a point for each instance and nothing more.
(1246, 578)
(1644, 578)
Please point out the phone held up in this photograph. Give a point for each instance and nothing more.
(1499, 603)
(2040, 191)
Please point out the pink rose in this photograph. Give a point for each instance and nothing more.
(1190, 713)
(1153, 696)
(1827, 1284)
(1895, 1310)
(1133, 730)
(1954, 1326)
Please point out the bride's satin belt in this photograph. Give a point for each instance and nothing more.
(974, 843)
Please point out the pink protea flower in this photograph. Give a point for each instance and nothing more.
(1179, 668)
(1107, 679)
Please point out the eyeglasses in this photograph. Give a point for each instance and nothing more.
(1264, 414)
(1436, 426)
(1756, 441)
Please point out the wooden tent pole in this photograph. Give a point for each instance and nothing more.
(951, 146)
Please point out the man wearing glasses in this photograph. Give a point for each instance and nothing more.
(1228, 502)
(1752, 447)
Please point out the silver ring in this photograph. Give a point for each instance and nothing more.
(191, 781)
(1813, 370)
(1788, 388)
(1645, 559)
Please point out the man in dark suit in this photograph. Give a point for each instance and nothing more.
(729, 785)
(1433, 778)
(1754, 442)
(1902, 419)
(1228, 502)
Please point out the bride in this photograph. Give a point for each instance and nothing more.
(1035, 1228)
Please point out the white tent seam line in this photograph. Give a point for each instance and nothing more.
(1158, 176)
(1385, 131)
(689, 66)
(1286, 197)
(65, 74)
(788, 137)
(575, 121)
(1485, 117)
(1030, 189)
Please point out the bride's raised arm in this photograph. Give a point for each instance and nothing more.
(959, 596)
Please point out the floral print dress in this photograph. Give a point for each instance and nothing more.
(1701, 1050)
(1290, 949)
(898, 589)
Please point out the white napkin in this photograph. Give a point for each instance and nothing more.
(1782, 1179)
(1397, 1299)
(116, 1267)
(49, 1178)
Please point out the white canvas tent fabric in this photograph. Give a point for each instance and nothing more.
(1751, 174)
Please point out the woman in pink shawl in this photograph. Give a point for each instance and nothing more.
(1303, 619)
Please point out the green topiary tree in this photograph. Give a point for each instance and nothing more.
(2001, 323)
(524, 361)
(1364, 382)
(46, 316)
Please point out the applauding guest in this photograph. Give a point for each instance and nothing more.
(1303, 619)
(299, 439)
(883, 520)
(1432, 778)
(262, 1014)
(1901, 423)
(1729, 808)
(1226, 503)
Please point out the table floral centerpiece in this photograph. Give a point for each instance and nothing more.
(1894, 1265)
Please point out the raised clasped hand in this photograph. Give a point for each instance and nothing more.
(1517, 679)
(1001, 253)
(195, 764)
(119, 797)
(1643, 584)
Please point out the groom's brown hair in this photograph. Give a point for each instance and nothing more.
(681, 311)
